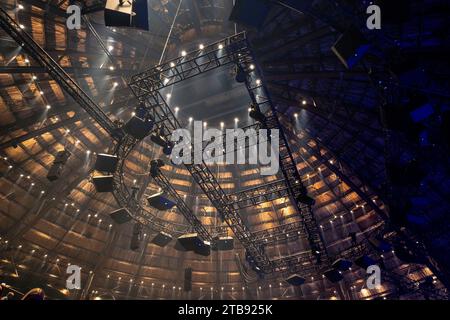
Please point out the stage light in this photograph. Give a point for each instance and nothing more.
(220, 46)
(255, 113)
(177, 109)
(236, 120)
(252, 67)
(34, 77)
(116, 84)
(88, 151)
(205, 124)
(190, 119)
(296, 115)
(114, 30)
(169, 95)
(258, 82)
(110, 48)
(241, 76)
(133, 113)
(21, 26)
(172, 65)
(183, 53)
(222, 124)
(304, 102)
(48, 107)
(41, 92)
(201, 47)
(27, 61)
(166, 81)
(20, 7)
(111, 68)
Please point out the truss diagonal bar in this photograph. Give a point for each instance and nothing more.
(196, 224)
(58, 74)
(260, 194)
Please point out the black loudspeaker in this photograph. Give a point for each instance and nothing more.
(138, 128)
(333, 275)
(364, 262)
(130, 14)
(203, 248)
(350, 47)
(57, 167)
(104, 183)
(223, 243)
(295, 280)
(136, 237)
(342, 265)
(121, 215)
(250, 13)
(106, 162)
(188, 279)
(162, 239)
(160, 201)
(190, 241)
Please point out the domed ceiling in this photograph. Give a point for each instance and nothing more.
(330, 116)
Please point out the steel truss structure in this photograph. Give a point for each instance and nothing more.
(58, 74)
(233, 50)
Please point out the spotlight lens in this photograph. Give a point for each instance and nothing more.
(236, 119)
(220, 46)
(183, 53)
(201, 47)
(48, 107)
(252, 67)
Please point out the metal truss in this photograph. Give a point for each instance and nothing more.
(232, 50)
(286, 232)
(58, 74)
(196, 224)
(260, 194)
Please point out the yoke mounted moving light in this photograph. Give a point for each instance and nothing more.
(154, 167)
(255, 113)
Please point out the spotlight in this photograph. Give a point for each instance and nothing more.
(110, 48)
(240, 74)
(116, 84)
(205, 124)
(236, 120)
(222, 124)
(255, 113)
(258, 82)
(304, 102)
(172, 65)
(48, 107)
(296, 115)
(34, 77)
(177, 109)
(183, 53)
(252, 67)
(20, 7)
(169, 95)
(111, 68)
(201, 47)
(41, 92)
(190, 119)
(166, 81)
(27, 61)
(21, 26)
(220, 46)
(154, 167)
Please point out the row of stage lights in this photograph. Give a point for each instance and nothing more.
(59, 261)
